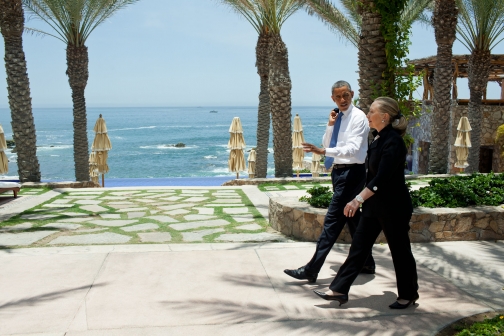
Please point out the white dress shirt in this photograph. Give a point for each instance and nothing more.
(352, 142)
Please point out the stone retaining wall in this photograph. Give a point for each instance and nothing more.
(57, 185)
(304, 222)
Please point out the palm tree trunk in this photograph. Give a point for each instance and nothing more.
(280, 100)
(77, 71)
(264, 109)
(18, 88)
(445, 23)
(372, 58)
(478, 72)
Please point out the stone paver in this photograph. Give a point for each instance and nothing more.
(171, 198)
(198, 217)
(251, 227)
(75, 219)
(23, 238)
(145, 200)
(194, 191)
(37, 216)
(223, 204)
(110, 216)
(227, 200)
(251, 237)
(74, 214)
(17, 227)
(290, 187)
(205, 211)
(235, 210)
(114, 198)
(89, 239)
(198, 235)
(194, 225)
(61, 201)
(176, 206)
(244, 218)
(62, 226)
(124, 193)
(91, 230)
(120, 203)
(163, 219)
(195, 199)
(93, 208)
(79, 197)
(132, 209)
(136, 214)
(177, 212)
(113, 223)
(140, 227)
(155, 237)
(90, 202)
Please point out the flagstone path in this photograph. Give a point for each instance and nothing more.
(111, 216)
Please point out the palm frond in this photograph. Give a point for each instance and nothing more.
(74, 20)
(480, 24)
(337, 21)
(37, 32)
(414, 11)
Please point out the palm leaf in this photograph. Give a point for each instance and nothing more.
(336, 20)
(74, 20)
(480, 24)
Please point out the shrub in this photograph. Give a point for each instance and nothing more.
(461, 191)
(488, 327)
(320, 196)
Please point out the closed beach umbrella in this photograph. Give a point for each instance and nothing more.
(315, 165)
(462, 143)
(297, 147)
(236, 161)
(93, 169)
(4, 162)
(101, 146)
(251, 163)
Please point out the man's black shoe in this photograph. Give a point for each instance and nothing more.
(368, 270)
(300, 274)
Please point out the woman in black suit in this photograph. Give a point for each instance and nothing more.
(386, 205)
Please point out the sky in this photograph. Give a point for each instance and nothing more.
(198, 53)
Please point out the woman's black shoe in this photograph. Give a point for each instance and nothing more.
(343, 298)
(397, 305)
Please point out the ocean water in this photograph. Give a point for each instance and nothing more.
(143, 138)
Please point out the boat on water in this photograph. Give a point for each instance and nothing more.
(213, 111)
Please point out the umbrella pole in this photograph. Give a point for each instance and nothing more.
(237, 175)
(298, 173)
(103, 180)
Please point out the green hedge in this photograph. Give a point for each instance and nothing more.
(452, 192)
(461, 191)
(320, 196)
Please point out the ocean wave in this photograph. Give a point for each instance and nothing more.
(168, 146)
(130, 128)
(210, 157)
(53, 147)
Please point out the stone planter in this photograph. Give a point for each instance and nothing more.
(304, 222)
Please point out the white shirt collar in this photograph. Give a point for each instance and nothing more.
(349, 109)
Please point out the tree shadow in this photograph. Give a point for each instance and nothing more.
(39, 299)
(474, 269)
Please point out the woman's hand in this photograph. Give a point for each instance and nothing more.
(351, 208)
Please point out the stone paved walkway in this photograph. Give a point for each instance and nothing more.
(148, 215)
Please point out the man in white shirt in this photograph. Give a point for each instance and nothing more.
(346, 153)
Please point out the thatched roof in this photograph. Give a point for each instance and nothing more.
(460, 64)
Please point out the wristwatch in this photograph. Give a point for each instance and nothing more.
(359, 199)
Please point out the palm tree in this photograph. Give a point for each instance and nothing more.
(360, 24)
(280, 85)
(254, 12)
(73, 21)
(18, 87)
(480, 24)
(267, 18)
(444, 21)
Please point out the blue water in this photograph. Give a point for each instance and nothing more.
(142, 140)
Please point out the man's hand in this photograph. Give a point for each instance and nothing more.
(309, 148)
(332, 118)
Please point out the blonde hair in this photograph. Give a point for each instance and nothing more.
(391, 107)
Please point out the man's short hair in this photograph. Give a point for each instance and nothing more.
(340, 84)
